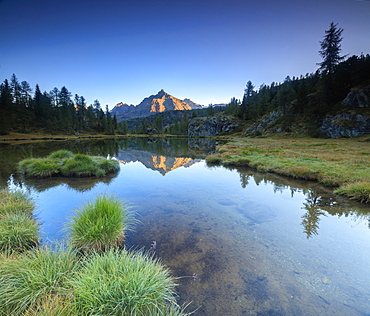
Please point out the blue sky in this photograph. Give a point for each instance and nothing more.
(125, 50)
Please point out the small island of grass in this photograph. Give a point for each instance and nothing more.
(67, 164)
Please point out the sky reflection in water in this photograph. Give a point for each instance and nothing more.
(261, 244)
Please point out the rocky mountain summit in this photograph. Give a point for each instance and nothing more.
(160, 102)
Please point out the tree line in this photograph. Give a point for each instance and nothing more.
(24, 110)
(310, 96)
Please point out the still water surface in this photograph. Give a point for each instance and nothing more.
(261, 244)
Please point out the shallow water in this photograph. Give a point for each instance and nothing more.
(261, 244)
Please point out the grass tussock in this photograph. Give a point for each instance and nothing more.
(333, 162)
(61, 154)
(100, 225)
(65, 163)
(122, 283)
(359, 191)
(19, 231)
(35, 279)
(59, 282)
(15, 202)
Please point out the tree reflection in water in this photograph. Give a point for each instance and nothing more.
(310, 220)
(319, 200)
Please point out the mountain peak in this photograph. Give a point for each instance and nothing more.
(160, 102)
(161, 93)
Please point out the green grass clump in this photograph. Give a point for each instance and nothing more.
(357, 191)
(18, 232)
(61, 154)
(79, 166)
(118, 282)
(40, 168)
(29, 281)
(214, 160)
(100, 225)
(15, 202)
(65, 163)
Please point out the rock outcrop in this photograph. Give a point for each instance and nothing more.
(265, 122)
(346, 125)
(349, 124)
(211, 126)
(357, 99)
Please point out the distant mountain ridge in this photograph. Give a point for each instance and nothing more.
(160, 102)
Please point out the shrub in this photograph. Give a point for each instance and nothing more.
(118, 282)
(36, 278)
(100, 225)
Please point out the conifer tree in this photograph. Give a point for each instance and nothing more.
(26, 92)
(15, 88)
(330, 48)
(249, 91)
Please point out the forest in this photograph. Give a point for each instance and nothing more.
(23, 111)
(307, 98)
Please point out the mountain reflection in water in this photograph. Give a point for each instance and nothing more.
(158, 163)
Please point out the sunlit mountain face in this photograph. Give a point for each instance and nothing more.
(160, 102)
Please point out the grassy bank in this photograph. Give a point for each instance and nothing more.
(17, 138)
(342, 163)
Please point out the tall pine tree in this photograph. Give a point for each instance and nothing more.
(331, 48)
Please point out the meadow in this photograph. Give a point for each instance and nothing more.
(343, 164)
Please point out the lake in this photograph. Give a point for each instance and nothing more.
(258, 243)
